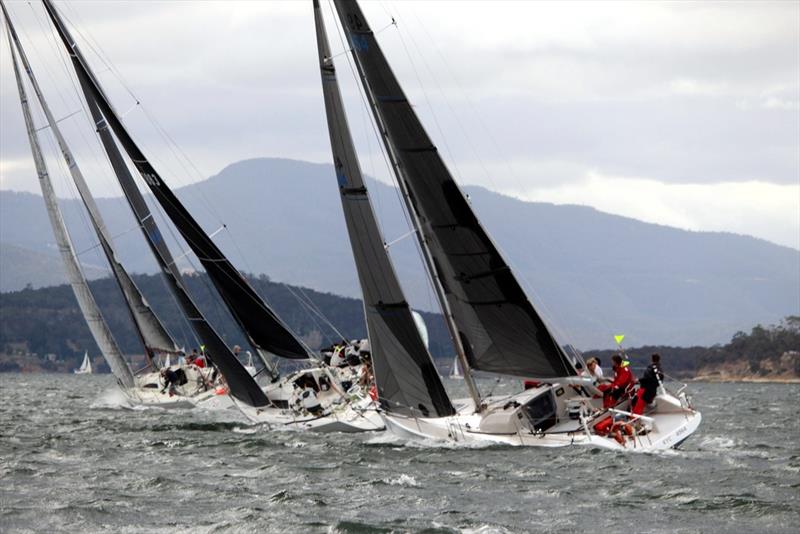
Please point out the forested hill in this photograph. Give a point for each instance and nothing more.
(48, 320)
(766, 353)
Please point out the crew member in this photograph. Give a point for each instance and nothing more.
(621, 385)
(648, 384)
(170, 381)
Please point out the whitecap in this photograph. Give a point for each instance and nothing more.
(403, 480)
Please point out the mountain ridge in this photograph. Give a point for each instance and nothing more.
(592, 273)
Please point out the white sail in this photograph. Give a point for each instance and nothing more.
(86, 365)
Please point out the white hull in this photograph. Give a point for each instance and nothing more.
(669, 422)
(148, 392)
(341, 411)
(352, 417)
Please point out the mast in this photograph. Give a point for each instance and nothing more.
(405, 374)
(242, 385)
(452, 328)
(151, 331)
(491, 317)
(91, 312)
(264, 329)
(147, 222)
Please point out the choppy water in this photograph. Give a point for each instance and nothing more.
(72, 459)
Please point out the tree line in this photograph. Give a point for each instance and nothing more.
(48, 321)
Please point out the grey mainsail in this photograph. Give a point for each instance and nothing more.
(91, 312)
(150, 329)
(264, 329)
(406, 377)
(241, 384)
(497, 325)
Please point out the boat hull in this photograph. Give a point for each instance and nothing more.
(669, 424)
(358, 416)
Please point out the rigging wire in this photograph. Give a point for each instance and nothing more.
(549, 315)
(389, 168)
(179, 154)
(70, 75)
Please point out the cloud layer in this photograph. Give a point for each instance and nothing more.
(680, 113)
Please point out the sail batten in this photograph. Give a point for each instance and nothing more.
(499, 328)
(405, 375)
(86, 302)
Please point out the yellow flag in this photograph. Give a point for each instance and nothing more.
(618, 338)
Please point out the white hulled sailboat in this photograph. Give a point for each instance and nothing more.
(493, 325)
(266, 332)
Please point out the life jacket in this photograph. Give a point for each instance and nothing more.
(623, 378)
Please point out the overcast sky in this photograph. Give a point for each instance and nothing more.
(684, 114)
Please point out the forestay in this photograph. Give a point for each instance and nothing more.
(406, 377)
(498, 326)
(91, 312)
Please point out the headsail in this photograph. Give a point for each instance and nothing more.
(264, 328)
(497, 325)
(405, 375)
(152, 332)
(241, 384)
(91, 312)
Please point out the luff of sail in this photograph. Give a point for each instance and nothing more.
(150, 329)
(91, 312)
(497, 325)
(265, 330)
(241, 384)
(405, 375)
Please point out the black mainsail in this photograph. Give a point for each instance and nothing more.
(407, 380)
(264, 329)
(496, 324)
(88, 306)
(241, 384)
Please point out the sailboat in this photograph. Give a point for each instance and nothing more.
(86, 366)
(265, 331)
(492, 323)
(140, 387)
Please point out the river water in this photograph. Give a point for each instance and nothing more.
(73, 459)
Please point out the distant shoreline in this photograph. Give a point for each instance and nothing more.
(746, 379)
(714, 379)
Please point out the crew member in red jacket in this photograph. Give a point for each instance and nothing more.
(622, 384)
